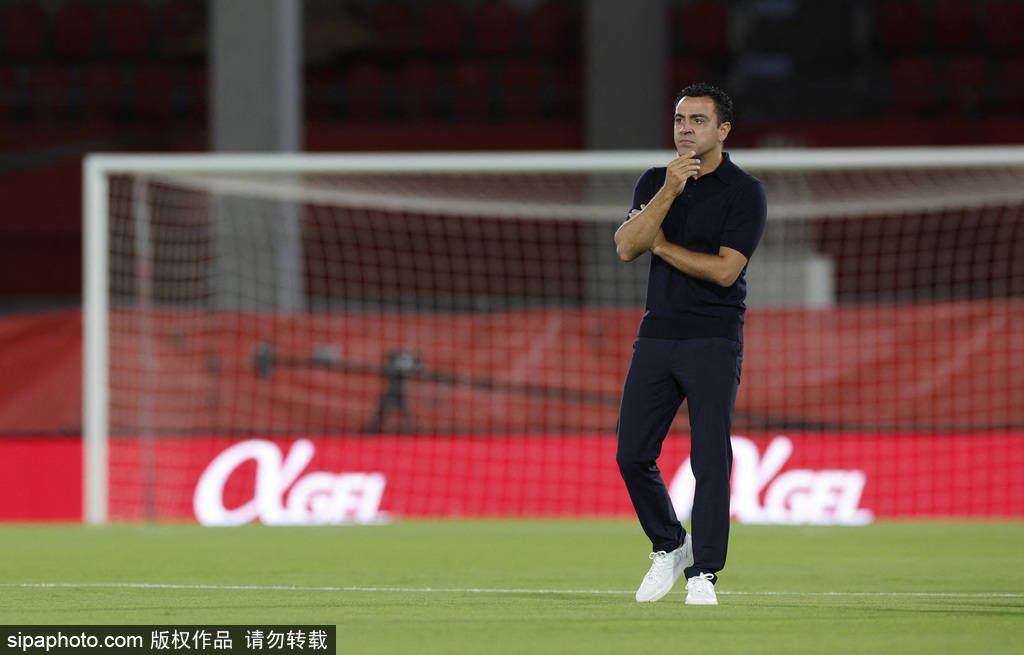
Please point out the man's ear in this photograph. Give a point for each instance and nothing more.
(723, 130)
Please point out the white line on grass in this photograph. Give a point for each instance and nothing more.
(481, 590)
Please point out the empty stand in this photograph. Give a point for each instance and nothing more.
(683, 72)
(319, 84)
(485, 60)
(471, 91)
(364, 92)
(444, 27)
(24, 30)
(701, 27)
(913, 86)
(1011, 85)
(129, 29)
(550, 28)
(418, 85)
(75, 30)
(967, 85)
(11, 94)
(496, 28)
(50, 92)
(569, 90)
(191, 93)
(956, 25)
(394, 25)
(182, 27)
(101, 86)
(1004, 26)
(154, 91)
(525, 90)
(900, 26)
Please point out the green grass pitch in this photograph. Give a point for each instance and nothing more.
(534, 586)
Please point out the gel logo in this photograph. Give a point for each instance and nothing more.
(802, 496)
(316, 498)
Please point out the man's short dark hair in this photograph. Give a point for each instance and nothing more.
(723, 103)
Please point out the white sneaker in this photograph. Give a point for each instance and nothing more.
(665, 570)
(700, 590)
(687, 555)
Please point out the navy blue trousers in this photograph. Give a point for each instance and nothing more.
(662, 373)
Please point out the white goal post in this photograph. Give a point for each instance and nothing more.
(907, 180)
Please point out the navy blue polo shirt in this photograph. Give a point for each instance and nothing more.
(726, 207)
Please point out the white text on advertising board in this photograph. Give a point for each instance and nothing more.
(316, 498)
(801, 496)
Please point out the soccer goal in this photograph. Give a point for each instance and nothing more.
(336, 338)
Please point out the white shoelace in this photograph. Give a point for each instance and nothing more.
(701, 583)
(661, 559)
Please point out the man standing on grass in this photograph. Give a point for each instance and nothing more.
(701, 217)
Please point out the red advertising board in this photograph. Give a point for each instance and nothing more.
(795, 478)
(40, 479)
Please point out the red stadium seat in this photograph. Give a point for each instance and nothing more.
(682, 73)
(549, 27)
(471, 83)
(129, 29)
(12, 99)
(1004, 26)
(913, 86)
(956, 25)
(24, 30)
(364, 86)
(711, 38)
(154, 92)
(394, 25)
(181, 25)
(496, 26)
(418, 85)
(569, 91)
(444, 27)
(524, 90)
(1011, 88)
(75, 30)
(102, 86)
(8, 80)
(319, 86)
(900, 26)
(50, 92)
(967, 84)
(193, 88)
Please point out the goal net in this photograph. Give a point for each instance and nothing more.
(323, 339)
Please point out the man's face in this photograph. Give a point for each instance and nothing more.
(696, 126)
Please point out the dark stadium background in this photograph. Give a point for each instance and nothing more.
(131, 75)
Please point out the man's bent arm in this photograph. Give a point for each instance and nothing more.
(637, 234)
(721, 269)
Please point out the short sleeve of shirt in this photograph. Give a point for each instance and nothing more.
(745, 223)
(644, 189)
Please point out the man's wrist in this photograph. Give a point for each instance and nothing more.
(668, 193)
